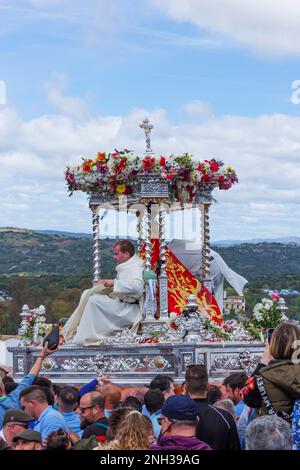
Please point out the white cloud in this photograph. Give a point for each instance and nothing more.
(68, 105)
(264, 150)
(197, 108)
(266, 27)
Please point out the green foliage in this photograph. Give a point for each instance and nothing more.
(53, 270)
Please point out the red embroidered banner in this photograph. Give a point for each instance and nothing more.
(181, 283)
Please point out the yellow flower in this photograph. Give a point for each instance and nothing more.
(229, 169)
(121, 188)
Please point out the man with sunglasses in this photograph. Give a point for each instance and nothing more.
(179, 419)
(14, 422)
(93, 419)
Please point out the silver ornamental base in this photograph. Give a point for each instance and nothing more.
(138, 364)
(150, 327)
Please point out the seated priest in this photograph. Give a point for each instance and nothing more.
(111, 305)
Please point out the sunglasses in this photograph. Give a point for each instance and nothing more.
(161, 419)
(81, 409)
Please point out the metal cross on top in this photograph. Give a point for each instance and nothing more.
(147, 129)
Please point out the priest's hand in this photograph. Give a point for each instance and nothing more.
(108, 283)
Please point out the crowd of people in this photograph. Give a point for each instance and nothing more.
(260, 412)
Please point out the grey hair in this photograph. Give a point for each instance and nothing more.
(268, 433)
(227, 405)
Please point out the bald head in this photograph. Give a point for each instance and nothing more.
(112, 395)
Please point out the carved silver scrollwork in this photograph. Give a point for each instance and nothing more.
(20, 364)
(241, 361)
(105, 364)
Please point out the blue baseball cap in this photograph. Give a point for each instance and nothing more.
(180, 407)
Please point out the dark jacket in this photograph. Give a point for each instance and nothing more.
(180, 443)
(96, 429)
(281, 380)
(216, 426)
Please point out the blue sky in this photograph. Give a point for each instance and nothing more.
(214, 77)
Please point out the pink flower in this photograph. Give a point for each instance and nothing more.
(275, 296)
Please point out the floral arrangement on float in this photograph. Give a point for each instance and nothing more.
(116, 174)
(33, 326)
(266, 314)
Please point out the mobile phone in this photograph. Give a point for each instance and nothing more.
(270, 332)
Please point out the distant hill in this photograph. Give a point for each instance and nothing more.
(283, 240)
(36, 252)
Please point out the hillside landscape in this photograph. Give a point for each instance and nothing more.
(52, 269)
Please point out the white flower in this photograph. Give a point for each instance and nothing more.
(258, 307)
(267, 307)
(267, 301)
(258, 315)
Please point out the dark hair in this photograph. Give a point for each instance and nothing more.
(126, 245)
(115, 419)
(196, 378)
(163, 382)
(154, 400)
(214, 394)
(236, 380)
(57, 389)
(133, 403)
(58, 440)
(34, 392)
(68, 398)
(42, 382)
(9, 384)
(46, 385)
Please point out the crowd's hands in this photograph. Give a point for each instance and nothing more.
(106, 283)
(46, 352)
(73, 436)
(103, 379)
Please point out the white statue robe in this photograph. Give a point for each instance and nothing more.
(189, 253)
(103, 312)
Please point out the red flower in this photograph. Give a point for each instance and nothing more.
(170, 177)
(275, 296)
(173, 325)
(214, 166)
(87, 167)
(162, 161)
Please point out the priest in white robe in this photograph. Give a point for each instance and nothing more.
(112, 305)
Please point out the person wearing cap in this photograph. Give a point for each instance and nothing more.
(14, 421)
(12, 399)
(28, 440)
(179, 419)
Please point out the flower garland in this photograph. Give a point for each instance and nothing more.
(115, 174)
(266, 314)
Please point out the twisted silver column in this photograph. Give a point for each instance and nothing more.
(163, 279)
(96, 245)
(162, 238)
(139, 229)
(205, 268)
(147, 237)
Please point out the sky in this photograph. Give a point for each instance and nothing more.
(218, 79)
